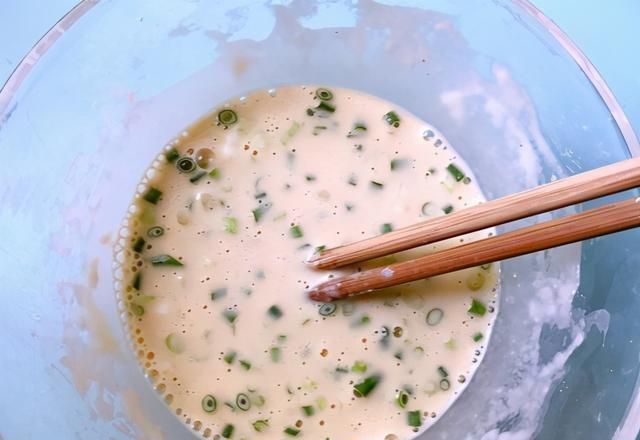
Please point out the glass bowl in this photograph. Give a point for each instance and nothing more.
(93, 103)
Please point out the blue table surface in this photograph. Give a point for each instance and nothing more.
(607, 33)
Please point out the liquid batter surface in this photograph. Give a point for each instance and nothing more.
(213, 274)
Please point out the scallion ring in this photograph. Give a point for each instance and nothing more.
(209, 403)
(155, 232)
(243, 402)
(186, 164)
(327, 309)
(324, 94)
(435, 316)
(227, 117)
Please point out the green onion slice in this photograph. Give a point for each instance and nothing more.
(186, 165)
(295, 231)
(414, 419)
(324, 94)
(243, 402)
(457, 174)
(152, 195)
(392, 118)
(435, 316)
(364, 388)
(209, 403)
(308, 410)
(327, 309)
(291, 431)
(175, 343)
(275, 312)
(165, 260)
(477, 308)
(155, 232)
(227, 431)
(402, 398)
(227, 117)
(260, 425)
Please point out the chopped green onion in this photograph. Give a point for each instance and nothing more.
(455, 172)
(477, 337)
(450, 344)
(137, 280)
(414, 419)
(291, 132)
(138, 246)
(392, 118)
(245, 364)
(327, 309)
(357, 130)
(259, 212)
(386, 228)
(425, 208)
(227, 117)
(230, 357)
(402, 398)
(376, 185)
(260, 425)
(155, 232)
(171, 155)
(447, 209)
(219, 293)
(276, 354)
(324, 94)
(282, 339)
(365, 387)
(230, 315)
(186, 165)
(435, 316)
(308, 410)
(231, 225)
(275, 312)
(209, 403)
(293, 432)
(247, 291)
(444, 384)
(443, 371)
(319, 249)
(137, 309)
(259, 400)
(197, 176)
(310, 178)
(398, 355)
(342, 369)
(397, 164)
(359, 367)
(152, 195)
(475, 281)
(325, 106)
(175, 343)
(165, 260)
(227, 431)
(477, 308)
(215, 173)
(295, 231)
(243, 402)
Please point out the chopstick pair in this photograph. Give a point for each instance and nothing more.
(596, 222)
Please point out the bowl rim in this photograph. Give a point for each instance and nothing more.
(630, 426)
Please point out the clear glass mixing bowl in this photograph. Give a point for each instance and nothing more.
(91, 106)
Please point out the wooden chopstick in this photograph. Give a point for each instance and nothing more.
(593, 223)
(589, 185)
